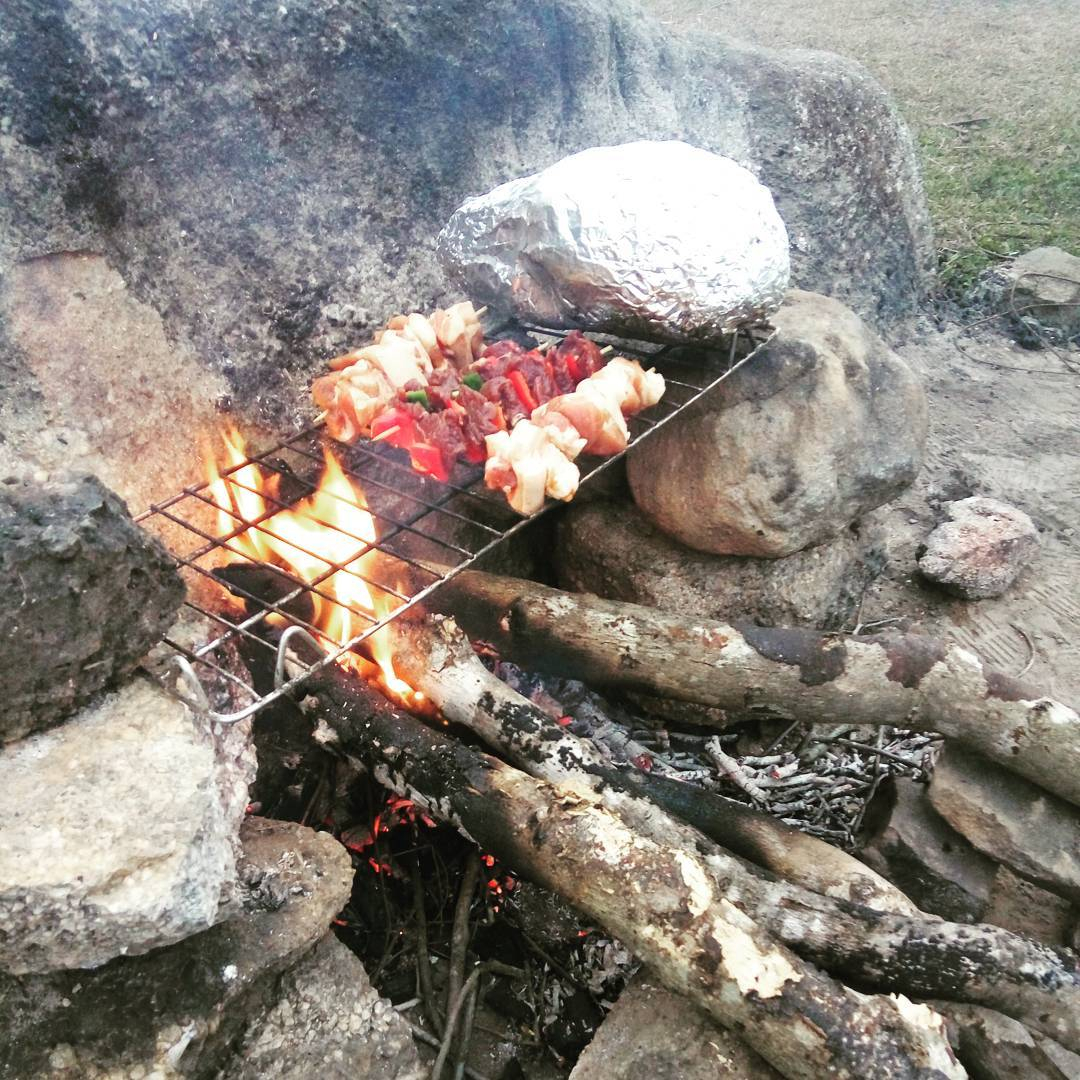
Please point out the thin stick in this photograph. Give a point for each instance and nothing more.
(455, 1011)
(459, 942)
(466, 1033)
(481, 311)
(423, 959)
(426, 1037)
(321, 417)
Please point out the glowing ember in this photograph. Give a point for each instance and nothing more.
(326, 540)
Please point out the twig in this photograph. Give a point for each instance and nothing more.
(459, 942)
(455, 1009)
(466, 1033)
(877, 751)
(730, 768)
(1031, 651)
(426, 1037)
(423, 959)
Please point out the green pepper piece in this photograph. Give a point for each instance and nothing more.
(420, 397)
(473, 380)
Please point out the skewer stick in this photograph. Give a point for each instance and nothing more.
(321, 417)
(385, 434)
(480, 311)
(606, 349)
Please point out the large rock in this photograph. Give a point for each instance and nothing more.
(182, 1010)
(120, 831)
(980, 549)
(271, 177)
(654, 1033)
(823, 425)
(86, 595)
(612, 550)
(328, 1021)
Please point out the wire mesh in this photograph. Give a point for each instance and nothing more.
(425, 532)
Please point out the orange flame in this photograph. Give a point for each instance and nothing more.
(330, 528)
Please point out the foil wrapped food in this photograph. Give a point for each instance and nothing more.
(652, 240)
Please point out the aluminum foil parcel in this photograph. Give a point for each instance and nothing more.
(654, 240)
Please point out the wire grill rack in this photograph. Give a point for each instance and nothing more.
(426, 532)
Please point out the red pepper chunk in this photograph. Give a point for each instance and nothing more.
(398, 428)
(521, 388)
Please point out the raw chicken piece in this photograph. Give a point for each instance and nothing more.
(561, 432)
(594, 411)
(459, 333)
(635, 388)
(352, 397)
(526, 465)
(399, 358)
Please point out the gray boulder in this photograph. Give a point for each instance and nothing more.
(980, 549)
(87, 594)
(824, 424)
(612, 550)
(1044, 286)
(182, 1010)
(271, 177)
(120, 831)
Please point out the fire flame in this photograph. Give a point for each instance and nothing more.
(330, 528)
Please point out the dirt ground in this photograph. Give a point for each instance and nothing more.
(991, 89)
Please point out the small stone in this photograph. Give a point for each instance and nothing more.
(653, 1033)
(87, 594)
(1044, 285)
(980, 549)
(120, 831)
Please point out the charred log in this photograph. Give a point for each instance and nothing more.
(903, 679)
(664, 905)
(442, 664)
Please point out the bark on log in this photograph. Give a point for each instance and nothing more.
(906, 680)
(665, 908)
(1010, 819)
(918, 956)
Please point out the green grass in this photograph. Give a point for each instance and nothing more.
(997, 189)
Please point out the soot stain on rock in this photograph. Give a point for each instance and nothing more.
(819, 659)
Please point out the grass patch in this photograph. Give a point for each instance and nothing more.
(996, 189)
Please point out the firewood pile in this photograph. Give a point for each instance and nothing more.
(725, 871)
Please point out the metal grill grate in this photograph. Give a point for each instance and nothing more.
(427, 531)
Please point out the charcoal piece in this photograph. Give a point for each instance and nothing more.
(85, 594)
(260, 586)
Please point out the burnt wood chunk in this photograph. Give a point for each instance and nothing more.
(85, 595)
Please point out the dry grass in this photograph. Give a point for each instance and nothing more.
(991, 89)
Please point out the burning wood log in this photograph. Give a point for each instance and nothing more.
(905, 680)
(665, 905)
(905, 953)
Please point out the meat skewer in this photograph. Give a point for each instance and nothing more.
(429, 386)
